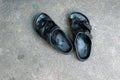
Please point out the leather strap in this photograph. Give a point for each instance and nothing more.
(47, 29)
(83, 24)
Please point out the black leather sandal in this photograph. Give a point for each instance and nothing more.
(52, 33)
(81, 29)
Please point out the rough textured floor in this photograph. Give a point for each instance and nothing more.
(26, 56)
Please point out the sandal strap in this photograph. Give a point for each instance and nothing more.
(83, 24)
(47, 28)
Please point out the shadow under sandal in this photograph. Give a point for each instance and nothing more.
(81, 29)
(49, 31)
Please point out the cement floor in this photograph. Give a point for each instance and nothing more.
(26, 56)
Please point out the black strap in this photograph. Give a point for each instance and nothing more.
(84, 24)
(47, 28)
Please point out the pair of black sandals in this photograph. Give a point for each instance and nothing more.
(80, 28)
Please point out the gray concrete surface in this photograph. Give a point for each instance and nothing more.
(26, 56)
